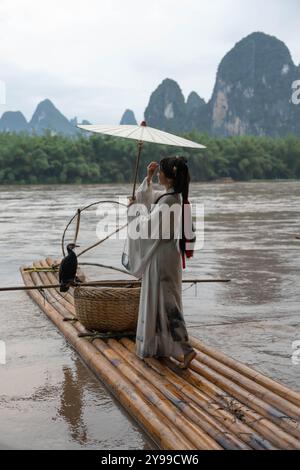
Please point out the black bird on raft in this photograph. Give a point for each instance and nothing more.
(68, 268)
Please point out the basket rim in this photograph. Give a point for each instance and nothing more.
(104, 288)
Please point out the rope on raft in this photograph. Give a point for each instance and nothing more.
(41, 270)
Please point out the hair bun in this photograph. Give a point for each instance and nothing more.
(182, 163)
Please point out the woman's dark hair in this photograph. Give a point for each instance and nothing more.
(176, 168)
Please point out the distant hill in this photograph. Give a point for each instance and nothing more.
(251, 96)
(128, 118)
(166, 109)
(13, 122)
(253, 90)
(46, 117)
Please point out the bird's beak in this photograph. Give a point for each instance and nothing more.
(77, 246)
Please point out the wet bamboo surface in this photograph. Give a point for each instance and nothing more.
(218, 403)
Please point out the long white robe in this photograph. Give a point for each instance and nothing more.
(161, 329)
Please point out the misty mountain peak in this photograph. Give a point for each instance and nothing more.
(13, 121)
(128, 118)
(48, 117)
(252, 93)
(166, 108)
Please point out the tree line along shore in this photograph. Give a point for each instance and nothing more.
(48, 159)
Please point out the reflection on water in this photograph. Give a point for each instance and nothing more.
(50, 399)
(71, 408)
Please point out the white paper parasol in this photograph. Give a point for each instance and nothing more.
(142, 133)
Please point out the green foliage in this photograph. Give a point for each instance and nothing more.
(102, 159)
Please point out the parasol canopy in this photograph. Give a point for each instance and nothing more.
(142, 133)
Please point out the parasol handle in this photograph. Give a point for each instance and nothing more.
(140, 145)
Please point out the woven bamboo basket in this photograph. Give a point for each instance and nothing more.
(106, 309)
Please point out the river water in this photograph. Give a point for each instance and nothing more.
(49, 398)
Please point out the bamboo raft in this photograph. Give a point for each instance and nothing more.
(218, 403)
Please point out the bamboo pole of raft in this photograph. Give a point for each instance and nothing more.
(266, 427)
(258, 378)
(175, 419)
(207, 407)
(216, 431)
(50, 274)
(187, 381)
(276, 435)
(205, 439)
(278, 402)
(200, 439)
(70, 310)
(283, 391)
(79, 327)
(153, 422)
(54, 299)
(193, 432)
(257, 420)
(248, 398)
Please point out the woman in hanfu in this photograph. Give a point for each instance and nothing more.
(156, 247)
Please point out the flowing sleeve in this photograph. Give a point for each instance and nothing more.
(146, 194)
(145, 232)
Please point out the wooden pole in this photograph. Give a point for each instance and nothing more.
(101, 241)
(99, 265)
(57, 286)
(140, 145)
(77, 226)
(104, 283)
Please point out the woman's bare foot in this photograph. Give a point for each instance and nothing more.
(188, 359)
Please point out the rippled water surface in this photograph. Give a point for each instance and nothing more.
(48, 397)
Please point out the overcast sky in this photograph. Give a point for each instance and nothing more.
(95, 58)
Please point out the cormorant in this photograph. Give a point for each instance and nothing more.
(68, 268)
